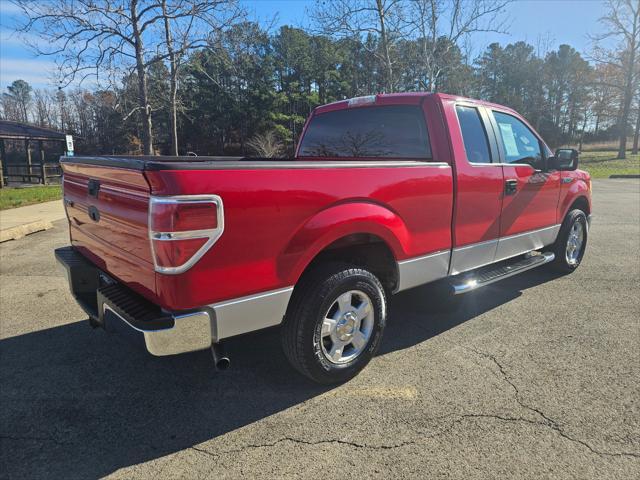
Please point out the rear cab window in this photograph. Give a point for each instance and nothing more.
(474, 135)
(385, 131)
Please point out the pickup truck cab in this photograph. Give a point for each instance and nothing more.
(385, 193)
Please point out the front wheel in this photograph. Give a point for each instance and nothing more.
(334, 324)
(571, 243)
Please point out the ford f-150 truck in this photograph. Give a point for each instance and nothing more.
(385, 193)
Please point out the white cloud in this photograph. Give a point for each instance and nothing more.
(10, 38)
(8, 8)
(39, 73)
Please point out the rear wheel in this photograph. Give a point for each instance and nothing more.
(571, 243)
(334, 324)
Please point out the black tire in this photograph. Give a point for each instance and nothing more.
(561, 263)
(315, 295)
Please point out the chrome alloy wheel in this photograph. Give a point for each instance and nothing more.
(574, 243)
(347, 327)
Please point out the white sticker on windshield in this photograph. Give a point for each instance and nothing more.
(509, 139)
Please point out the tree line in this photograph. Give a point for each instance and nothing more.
(179, 76)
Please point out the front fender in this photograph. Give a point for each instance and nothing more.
(579, 187)
(338, 221)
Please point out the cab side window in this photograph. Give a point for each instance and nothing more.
(518, 141)
(473, 134)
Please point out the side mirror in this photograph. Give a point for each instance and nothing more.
(565, 159)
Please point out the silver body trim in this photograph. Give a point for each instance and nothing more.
(497, 164)
(472, 256)
(154, 163)
(309, 164)
(420, 270)
(250, 313)
(520, 243)
(478, 255)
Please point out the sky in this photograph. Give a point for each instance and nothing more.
(539, 22)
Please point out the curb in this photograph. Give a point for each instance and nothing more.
(14, 233)
(625, 176)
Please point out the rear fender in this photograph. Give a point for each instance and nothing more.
(335, 223)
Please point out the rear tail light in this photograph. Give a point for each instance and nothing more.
(182, 228)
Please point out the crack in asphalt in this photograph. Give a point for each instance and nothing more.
(461, 418)
(548, 421)
(302, 442)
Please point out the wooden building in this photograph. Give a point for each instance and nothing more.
(23, 153)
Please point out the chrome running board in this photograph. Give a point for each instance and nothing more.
(488, 275)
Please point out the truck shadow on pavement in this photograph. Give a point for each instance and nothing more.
(78, 403)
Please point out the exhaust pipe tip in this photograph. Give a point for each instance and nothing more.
(223, 364)
(220, 359)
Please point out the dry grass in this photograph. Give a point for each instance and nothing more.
(611, 145)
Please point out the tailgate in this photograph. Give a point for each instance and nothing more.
(108, 219)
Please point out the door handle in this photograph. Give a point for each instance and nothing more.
(510, 186)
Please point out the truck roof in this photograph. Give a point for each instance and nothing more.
(399, 99)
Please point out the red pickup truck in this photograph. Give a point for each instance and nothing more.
(385, 193)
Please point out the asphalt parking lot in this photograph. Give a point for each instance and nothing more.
(533, 377)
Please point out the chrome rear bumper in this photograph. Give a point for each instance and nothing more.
(118, 309)
(191, 332)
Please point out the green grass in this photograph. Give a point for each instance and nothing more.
(604, 164)
(18, 197)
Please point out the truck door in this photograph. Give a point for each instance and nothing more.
(479, 186)
(528, 218)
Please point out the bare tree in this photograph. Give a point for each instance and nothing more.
(93, 38)
(636, 132)
(606, 95)
(357, 18)
(188, 25)
(623, 24)
(173, 87)
(10, 109)
(81, 101)
(44, 108)
(63, 112)
(441, 25)
(266, 145)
